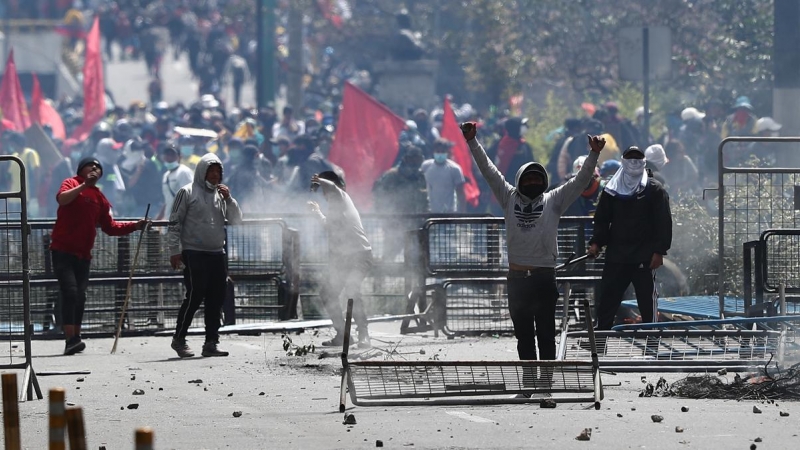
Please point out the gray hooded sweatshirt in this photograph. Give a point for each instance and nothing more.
(197, 220)
(532, 224)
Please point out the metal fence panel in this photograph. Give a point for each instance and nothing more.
(753, 197)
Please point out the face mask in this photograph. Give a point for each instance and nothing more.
(532, 190)
(171, 165)
(633, 167)
(440, 158)
(276, 150)
(187, 151)
(211, 186)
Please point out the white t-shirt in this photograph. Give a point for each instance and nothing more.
(443, 181)
(171, 183)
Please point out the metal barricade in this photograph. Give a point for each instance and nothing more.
(771, 261)
(752, 200)
(462, 261)
(15, 300)
(262, 265)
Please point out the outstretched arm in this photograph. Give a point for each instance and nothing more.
(500, 187)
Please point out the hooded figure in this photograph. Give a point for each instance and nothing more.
(197, 240)
(531, 218)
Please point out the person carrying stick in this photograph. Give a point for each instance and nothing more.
(81, 209)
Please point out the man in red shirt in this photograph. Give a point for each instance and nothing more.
(81, 209)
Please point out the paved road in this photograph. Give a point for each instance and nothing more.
(128, 81)
(299, 405)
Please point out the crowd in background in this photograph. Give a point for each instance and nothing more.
(270, 154)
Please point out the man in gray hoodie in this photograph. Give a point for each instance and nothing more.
(532, 217)
(197, 239)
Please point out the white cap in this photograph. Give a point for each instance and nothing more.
(411, 124)
(767, 123)
(691, 113)
(655, 154)
(639, 112)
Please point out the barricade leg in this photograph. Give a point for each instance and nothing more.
(77, 434)
(144, 438)
(57, 420)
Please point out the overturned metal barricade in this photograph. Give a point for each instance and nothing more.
(690, 346)
(15, 301)
(769, 263)
(415, 383)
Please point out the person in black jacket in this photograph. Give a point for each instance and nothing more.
(633, 221)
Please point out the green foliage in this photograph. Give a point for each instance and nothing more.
(694, 243)
(542, 120)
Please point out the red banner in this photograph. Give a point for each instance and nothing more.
(94, 93)
(12, 100)
(43, 113)
(461, 155)
(366, 142)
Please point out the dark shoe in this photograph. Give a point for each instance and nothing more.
(74, 345)
(182, 348)
(337, 341)
(210, 349)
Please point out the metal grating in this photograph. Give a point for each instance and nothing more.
(377, 380)
(475, 306)
(680, 350)
(753, 198)
(782, 260)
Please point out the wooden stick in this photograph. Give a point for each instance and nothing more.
(345, 347)
(144, 438)
(130, 283)
(77, 434)
(58, 419)
(11, 412)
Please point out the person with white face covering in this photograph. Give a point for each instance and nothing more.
(141, 178)
(634, 222)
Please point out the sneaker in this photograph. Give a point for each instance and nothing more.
(182, 348)
(74, 345)
(211, 349)
(337, 341)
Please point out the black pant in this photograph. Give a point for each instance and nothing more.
(616, 279)
(532, 304)
(204, 276)
(73, 277)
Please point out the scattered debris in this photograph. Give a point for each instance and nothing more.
(160, 389)
(237, 414)
(585, 435)
(349, 419)
(656, 418)
(784, 414)
(133, 406)
(661, 389)
(679, 429)
(198, 381)
(80, 380)
(619, 415)
(684, 409)
(547, 403)
(138, 392)
(421, 351)
(756, 410)
(262, 393)
(379, 443)
(721, 372)
(753, 446)
(133, 377)
(230, 394)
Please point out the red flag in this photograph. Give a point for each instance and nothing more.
(461, 155)
(43, 113)
(94, 93)
(12, 101)
(366, 142)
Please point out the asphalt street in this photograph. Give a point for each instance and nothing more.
(128, 80)
(292, 402)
